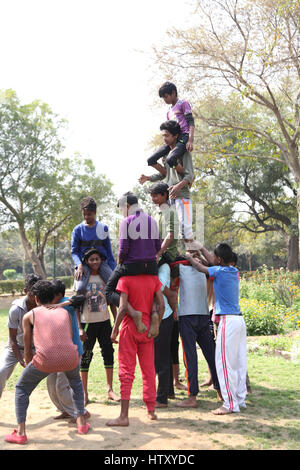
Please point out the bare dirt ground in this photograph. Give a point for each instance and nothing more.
(175, 429)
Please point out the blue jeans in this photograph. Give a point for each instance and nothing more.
(30, 379)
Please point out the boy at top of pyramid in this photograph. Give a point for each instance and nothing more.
(181, 112)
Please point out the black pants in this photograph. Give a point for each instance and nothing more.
(175, 343)
(100, 331)
(175, 154)
(196, 329)
(162, 359)
(130, 269)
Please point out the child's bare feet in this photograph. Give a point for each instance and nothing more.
(154, 325)
(137, 318)
(180, 386)
(219, 395)
(111, 395)
(63, 415)
(190, 402)
(207, 383)
(160, 405)
(222, 411)
(120, 421)
(151, 415)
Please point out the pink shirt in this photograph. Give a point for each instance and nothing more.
(52, 337)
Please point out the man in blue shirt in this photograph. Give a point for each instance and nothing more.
(231, 345)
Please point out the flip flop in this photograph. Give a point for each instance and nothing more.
(14, 438)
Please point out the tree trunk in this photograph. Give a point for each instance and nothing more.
(298, 214)
(293, 253)
(31, 255)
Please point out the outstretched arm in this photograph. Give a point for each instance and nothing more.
(207, 255)
(27, 323)
(120, 315)
(199, 266)
(160, 304)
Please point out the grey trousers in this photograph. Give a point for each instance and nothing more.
(61, 393)
(30, 379)
(8, 362)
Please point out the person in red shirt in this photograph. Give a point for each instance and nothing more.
(139, 291)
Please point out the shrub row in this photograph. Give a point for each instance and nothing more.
(16, 287)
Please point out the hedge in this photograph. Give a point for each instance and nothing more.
(16, 287)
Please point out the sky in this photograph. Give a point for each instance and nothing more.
(91, 61)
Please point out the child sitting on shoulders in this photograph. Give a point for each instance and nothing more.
(181, 112)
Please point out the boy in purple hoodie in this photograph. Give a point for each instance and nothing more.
(138, 247)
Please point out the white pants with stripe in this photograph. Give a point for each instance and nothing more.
(184, 209)
(231, 361)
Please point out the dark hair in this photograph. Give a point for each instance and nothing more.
(30, 280)
(166, 89)
(44, 291)
(89, 204)
(171, 126)
(127, 198)
(224, 252)
(234, 258)
(90, 252)
(159, 188)
(59, 287)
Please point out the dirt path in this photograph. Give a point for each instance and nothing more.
(175, 429)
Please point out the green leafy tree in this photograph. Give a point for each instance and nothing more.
(40, 191)
(249, 50)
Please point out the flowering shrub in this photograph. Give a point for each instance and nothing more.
(270, 301)
(262, 318)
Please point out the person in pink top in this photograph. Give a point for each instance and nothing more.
(51, 331)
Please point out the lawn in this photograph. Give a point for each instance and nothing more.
(271, 420)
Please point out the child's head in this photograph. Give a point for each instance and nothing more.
(223, 254)
(59, 289)
(127, 201)
(43, 291)
(170, 131)
(93, 259)
(159, 193)
(234, 259)
(88, 208)
(30, 280)
(168, 92)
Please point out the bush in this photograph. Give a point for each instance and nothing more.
(12, 287)
(270, 296)
(16, 287)
(262, 318)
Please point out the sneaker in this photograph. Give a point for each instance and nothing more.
(15, 438)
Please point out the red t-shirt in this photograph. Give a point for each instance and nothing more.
(140, 290)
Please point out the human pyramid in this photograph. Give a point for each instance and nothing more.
(153, 292)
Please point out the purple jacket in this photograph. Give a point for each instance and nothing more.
(139, 238)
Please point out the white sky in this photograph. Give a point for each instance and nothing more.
(81, 58)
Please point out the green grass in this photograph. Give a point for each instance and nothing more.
(272, 417)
